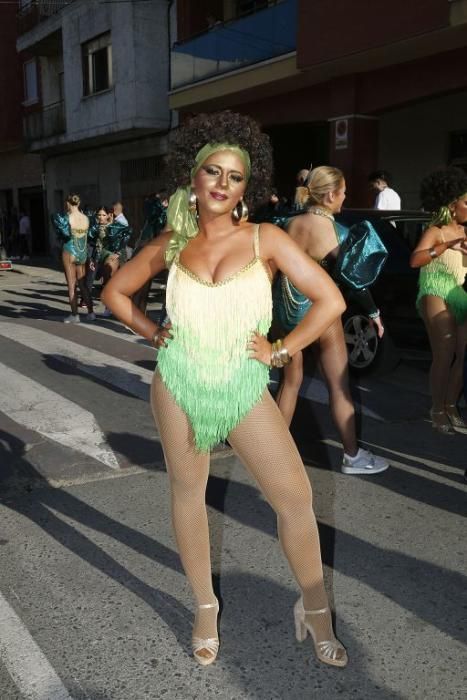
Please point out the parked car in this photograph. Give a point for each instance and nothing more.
(394, 292)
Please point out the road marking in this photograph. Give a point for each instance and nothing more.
(27, 665)
(37, 408)
(121, 335)
(123, 375)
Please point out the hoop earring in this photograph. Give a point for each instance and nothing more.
(192, 201)
(240, 212)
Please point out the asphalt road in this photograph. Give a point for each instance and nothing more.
(93, 603)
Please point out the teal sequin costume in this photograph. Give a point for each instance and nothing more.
(74, 240)
(360, 263)
(109, 239)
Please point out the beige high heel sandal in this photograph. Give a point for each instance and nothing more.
(330, 651)
(442, 426)
(210, 644)
(457, 422)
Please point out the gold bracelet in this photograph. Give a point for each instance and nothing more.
(155, 337)
(279, 355)
(433, 253)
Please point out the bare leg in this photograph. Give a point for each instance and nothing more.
(188, 472)
(83, 287)
(334, 366)
(442, 333)
(456, 374)
(264, 444)
(70, 275)
(290, 386)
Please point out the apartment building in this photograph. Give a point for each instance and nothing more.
(101, 119)
(356, 84)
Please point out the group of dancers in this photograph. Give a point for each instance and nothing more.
(95, 245)
(224, 331)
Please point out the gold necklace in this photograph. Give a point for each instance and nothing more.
(321, 212)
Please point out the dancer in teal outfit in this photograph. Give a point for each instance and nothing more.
(317, 233)
(441, 256)
(72, 231)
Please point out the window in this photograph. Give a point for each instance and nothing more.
(97, 65)
(247, 7)
(140, 169)
(31, 92)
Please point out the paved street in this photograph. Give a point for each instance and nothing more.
(93, 603)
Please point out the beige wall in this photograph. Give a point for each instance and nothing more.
(415, 140)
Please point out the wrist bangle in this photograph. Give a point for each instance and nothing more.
(155, 337)
(279, 355)
(433, 253)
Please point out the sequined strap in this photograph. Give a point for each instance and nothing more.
(256, 241)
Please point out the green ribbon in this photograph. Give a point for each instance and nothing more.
(443, 216)
(183, 222)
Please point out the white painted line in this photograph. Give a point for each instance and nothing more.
(122, 335)
(28, 667)
(123, 375)
(37, 408)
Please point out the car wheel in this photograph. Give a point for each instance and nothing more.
(366, 352)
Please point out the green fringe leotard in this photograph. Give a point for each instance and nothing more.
(443, 277)
(206, 366)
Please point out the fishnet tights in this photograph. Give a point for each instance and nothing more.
(334, 367)
(76, 274)
(447, 342)
(264, 444)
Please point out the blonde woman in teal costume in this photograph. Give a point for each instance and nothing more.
(317, 234)
(441, 256)
(72, 231)
(214, 359)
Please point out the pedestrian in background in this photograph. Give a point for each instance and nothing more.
(24, 232)
(387, 198)
(155, 213)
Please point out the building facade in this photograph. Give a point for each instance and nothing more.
(357, 85)
(103, 117)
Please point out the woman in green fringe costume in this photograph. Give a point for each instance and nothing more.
(214, 357)
(72, 231)
(442, 300)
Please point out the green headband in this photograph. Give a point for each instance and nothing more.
(180, 219)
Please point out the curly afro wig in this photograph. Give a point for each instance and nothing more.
(440, 188)
(221, 127)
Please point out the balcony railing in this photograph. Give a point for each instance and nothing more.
(48, 122)
(33, 12)
(225, 47)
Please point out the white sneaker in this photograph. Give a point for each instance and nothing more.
(90, 317)
(72, 318)
(364, 462)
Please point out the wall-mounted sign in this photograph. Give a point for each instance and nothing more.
(341, 134)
